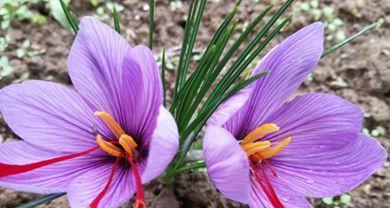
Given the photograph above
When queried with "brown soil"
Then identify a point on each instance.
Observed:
(359, 72)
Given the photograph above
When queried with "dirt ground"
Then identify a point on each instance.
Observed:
(359, 72)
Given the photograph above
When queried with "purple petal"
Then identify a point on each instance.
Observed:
(141, 92)
(288, 65)
(85, 188)
(227, 164)
(49, 179)
(95, 65)
(49, 115)
(163, 146)
(315, 122)
(331, 172)
(288, 197)
(228, 108)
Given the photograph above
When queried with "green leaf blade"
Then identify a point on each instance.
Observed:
(348, 40)
(151, 23)
(69, 17)
(116, 19)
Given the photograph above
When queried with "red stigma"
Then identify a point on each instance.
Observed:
(139, 199)
(7, 169)
(268, 188)
(96, 201)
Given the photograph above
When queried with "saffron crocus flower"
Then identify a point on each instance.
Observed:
(263, 150)
(100, 142)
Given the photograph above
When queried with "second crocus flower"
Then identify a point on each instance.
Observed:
(266, 151)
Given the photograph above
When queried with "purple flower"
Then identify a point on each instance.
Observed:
(100, 142)
(263, 150)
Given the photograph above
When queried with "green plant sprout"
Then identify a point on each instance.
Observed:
(6, 69)
(19, 9)
(332, 23)
(58, 13)
(104, 11)
(337, 202)
(21, 52)
(176, 5)
(376, 132)
(4, 41)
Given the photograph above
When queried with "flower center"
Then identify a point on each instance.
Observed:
(258, 152)
(124, 140)
(127, 151)
(254, 148)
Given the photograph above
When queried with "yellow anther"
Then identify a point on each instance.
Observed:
(260, 132)
(114, 127)
(249, 146)
(256, 149)
(128, 143)
(274, 150)
(108, 147)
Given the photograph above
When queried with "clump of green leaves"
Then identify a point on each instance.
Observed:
(22, 51)
(104, 11)
(58, 13)
(327, 14)
(176, 5)
(337, 202)
(19, 9)
(4, 41)
(375, 132)
(6, 69)
(95, 3)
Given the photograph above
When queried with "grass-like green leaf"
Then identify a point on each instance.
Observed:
(192, 40)
(163, 68)
(195, 88)
(200, 121)
(227, 79)
(151, 23)
(116, 19)
(72, 21)
(190, 33)
(216, 70)
(58, 13)
(188, 108)
(348, 40)
(192, 166)
(194, 76)
(40, 200)
(241, 64)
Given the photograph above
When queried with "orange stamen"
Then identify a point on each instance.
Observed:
(128, 143)
(252, 148)
(255, 144)
(115, 128)
(108, 147)
(260, 132)
(274, 150)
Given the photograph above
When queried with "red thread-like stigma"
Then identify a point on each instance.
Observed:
(96, 201)
(269, 190)
(139, 199)
(7, 169)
